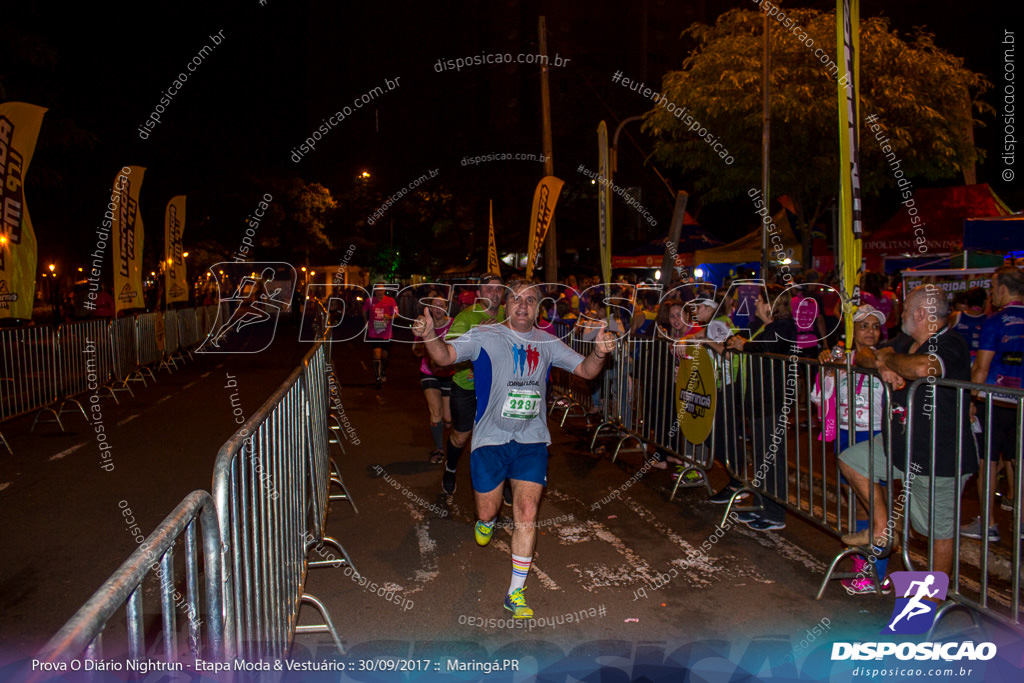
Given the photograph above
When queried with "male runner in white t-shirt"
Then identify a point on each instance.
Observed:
(510, 434)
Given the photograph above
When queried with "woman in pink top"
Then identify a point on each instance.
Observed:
(436, 381)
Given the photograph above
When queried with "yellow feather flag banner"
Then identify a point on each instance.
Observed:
(175, 285)
(19, 129)
(604, 203)
(492, 249)
(544, 199)
(128, 235)
(848, 41)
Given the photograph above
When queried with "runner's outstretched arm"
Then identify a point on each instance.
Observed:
(592, 364)
(441, 353)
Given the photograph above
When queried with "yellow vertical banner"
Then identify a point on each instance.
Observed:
(544, 199)
(848, 41)
(128, 235)
(175, 285)
(19, 130)
(604, 202)
(492, 248)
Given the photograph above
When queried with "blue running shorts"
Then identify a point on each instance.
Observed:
(492, 465)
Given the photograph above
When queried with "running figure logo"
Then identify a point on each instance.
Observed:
(523, 356)
(914, 611)
(262, 292)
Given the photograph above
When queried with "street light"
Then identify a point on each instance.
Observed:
(51, 267)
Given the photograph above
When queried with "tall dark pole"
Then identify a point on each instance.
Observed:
(550, 248)
(766, 127)
(672, 244)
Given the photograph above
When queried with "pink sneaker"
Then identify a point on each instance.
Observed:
(864, 585)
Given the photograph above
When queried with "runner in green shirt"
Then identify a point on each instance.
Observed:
(487, 310)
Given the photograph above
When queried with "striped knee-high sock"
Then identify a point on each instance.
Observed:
(520, 568)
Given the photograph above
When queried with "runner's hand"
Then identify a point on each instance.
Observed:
(424, 326)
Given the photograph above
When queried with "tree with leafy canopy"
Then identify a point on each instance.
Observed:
(924, 98)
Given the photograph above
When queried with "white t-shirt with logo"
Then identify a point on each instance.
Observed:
(510, 370)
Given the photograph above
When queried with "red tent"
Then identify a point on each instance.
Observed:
(942, 212)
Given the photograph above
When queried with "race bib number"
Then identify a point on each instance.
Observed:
(379, 326)
(521, 405)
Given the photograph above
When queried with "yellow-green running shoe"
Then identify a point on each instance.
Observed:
(516, 604)
(483, 533)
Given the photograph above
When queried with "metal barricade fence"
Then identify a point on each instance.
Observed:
(322, 470)
(82, 635)
(188, 328)
(616, 398)
(171, 325)
(147, 346)
(786, 452)
(985, 577)
(27, 375)
(26, 370)
(261, 487)
(82, 362)
(171, 352)
(639, 400)
(124, 354)
(569, 392)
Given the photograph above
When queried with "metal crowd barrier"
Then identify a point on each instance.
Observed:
(262, 482)
(44, 369)
(26, 370)
(770, 434)
(765, 429)
(570, 393)
(82, 635)
(172, 350)
(990, 584)
(125, 355)
(82, 361)
(147, 344)
(188, 329)
(639, 405)
(322, 468)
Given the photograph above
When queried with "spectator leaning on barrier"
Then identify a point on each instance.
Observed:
(926, 348)
(832, 391)
(1000, 362)
(766, 399)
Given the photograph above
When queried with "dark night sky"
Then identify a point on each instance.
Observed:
(284, 66)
